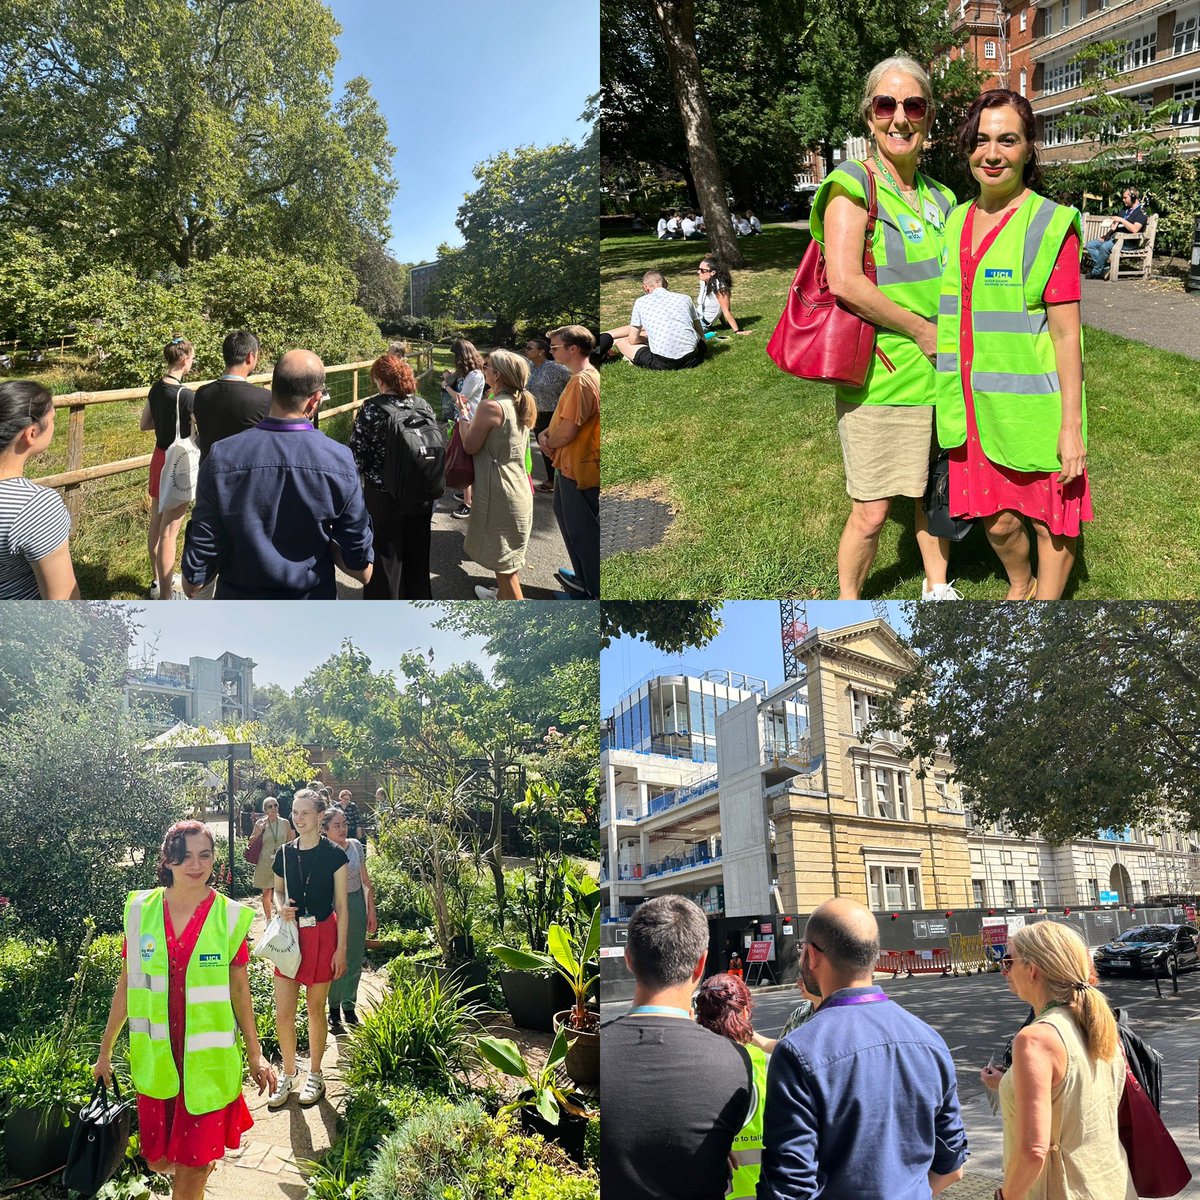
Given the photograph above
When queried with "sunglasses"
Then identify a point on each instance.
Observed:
(884, 107)
(1006, 963)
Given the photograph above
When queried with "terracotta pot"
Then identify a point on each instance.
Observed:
(583, 1058)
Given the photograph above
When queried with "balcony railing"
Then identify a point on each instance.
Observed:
(673, 864)
(1105, 23)
(682, 795)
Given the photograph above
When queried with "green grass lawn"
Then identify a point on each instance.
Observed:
(108, 541)
(748, 458)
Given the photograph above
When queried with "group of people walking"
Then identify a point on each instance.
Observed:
(857, 1097)
(185, 993)
(277, 507)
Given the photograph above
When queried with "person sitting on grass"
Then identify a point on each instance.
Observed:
(664, 333)
(716, 286)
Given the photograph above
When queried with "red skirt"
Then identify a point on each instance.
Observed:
(169, 1131)
(156, 465)
(318, 944)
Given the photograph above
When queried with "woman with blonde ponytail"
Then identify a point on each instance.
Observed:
(1059, 1100)
(497, 436)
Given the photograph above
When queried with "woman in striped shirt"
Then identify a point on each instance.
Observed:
(35, 559)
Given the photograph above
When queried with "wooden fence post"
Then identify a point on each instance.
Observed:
(74, 492)
(354, 386)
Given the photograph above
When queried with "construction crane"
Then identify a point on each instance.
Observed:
(879, 608)
(793, 624)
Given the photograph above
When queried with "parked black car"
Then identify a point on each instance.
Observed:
(1154, 949)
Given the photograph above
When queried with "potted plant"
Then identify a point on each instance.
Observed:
(572, 954)
(545, 1108)
(42, 1086)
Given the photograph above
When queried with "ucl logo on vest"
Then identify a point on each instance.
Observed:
(912, 228)
(147, 946)
(210, 960)
(998, 277)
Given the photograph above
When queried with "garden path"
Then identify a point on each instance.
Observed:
(269, 1164)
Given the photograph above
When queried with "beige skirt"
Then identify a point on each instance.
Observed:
(886, 448)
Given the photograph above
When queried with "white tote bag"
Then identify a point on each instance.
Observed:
(177, 484)
(280, 941)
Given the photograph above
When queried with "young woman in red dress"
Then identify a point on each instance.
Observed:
(175, 1141)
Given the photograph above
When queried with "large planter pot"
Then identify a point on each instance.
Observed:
(533, 999)
(469, 978)
(569, 1133)
(36, 1141)
(582, 1063)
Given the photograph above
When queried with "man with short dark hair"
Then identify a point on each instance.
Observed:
(279, 505)
(1131, 220)
(862, 1098)
(674, 1095)
(573, 440)
(230, 404)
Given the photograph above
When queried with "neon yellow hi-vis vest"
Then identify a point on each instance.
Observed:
(212, 1058)
(1014, 375)
(747, 1146)
(909, 254)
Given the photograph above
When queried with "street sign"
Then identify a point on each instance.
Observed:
(1109, 897)
(761, 952)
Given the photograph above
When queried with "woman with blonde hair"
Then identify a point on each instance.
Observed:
(1059, 1099)
(497, 436)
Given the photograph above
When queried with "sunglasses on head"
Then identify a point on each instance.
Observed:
(884, 107)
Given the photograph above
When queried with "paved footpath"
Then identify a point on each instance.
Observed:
(1158, 313)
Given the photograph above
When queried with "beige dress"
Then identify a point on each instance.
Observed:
(275, 834)
(501, 501)
(1087, 1160)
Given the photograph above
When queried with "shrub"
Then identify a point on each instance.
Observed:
(421, 1035)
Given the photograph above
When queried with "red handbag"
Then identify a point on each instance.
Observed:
(460, 466)
(817, 338)
(1155, 1164)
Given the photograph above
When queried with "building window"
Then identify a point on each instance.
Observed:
(989, 49)
(1139, 52)
(1145, 891)
(1006, 857)
(1048, 22)
(1010, 893)
(882, 792)
(1185, 35)
(894, 887)
(1024, 73)
(1066, 13)
(1024, 19)
(978, 893)
(1089, 857)
(1093, 886)
(866, 709)
(1035, 892)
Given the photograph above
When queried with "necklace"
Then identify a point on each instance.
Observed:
(908, 191)
(1053, 1004)
(173, 378)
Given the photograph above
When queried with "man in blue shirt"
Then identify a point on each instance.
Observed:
(280, 505)
(1132, 220)
(862, 1101)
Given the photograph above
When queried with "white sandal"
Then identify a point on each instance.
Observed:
(314, 1089)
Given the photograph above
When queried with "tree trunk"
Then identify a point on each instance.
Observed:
(677, 26)
(493, 852)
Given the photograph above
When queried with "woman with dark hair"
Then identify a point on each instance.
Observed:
(315, 871)
(185, 993)
(35, 559)
(498, 437)
(167, 404)
(712, 300)
(1010, 395)
(723, 1005)
(402, 533)
(546, 381)
(465, 383)
(360, 898)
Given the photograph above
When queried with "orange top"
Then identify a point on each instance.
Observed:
(579, 403)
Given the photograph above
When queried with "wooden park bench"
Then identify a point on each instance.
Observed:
(1132, 253)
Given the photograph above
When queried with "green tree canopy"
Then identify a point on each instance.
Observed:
(173, 131)
(668, 625)
(530, 239)
(1063, 719)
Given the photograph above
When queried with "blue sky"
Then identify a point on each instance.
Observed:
(749, 642)
(459, 81)
(287, 641)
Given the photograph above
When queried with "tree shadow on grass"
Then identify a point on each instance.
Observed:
(630, 256)
(97, 583)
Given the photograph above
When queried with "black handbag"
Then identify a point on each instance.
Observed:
(100, 1140)
(936, 503)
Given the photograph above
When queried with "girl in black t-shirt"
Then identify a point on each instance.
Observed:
(316, 872)
(166, 397)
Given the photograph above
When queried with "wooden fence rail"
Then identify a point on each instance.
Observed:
(71, 480)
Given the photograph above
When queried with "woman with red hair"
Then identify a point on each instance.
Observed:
(723, 1005)
(402, 531)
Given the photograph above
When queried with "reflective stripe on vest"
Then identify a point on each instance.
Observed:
(748, 1145)
(909, 249)
(212, 1068)
(1014, 371)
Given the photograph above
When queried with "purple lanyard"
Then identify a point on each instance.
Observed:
(840, 1001)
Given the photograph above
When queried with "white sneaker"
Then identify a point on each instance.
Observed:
(154, 590)
(485, 593)
(939, 591)
(314, 1089)
(283, 1089)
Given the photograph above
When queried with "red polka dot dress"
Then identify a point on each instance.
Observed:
(168, 1130)
(978, 486)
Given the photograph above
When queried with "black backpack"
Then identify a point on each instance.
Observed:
(1144, 1061)
(414, 452)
